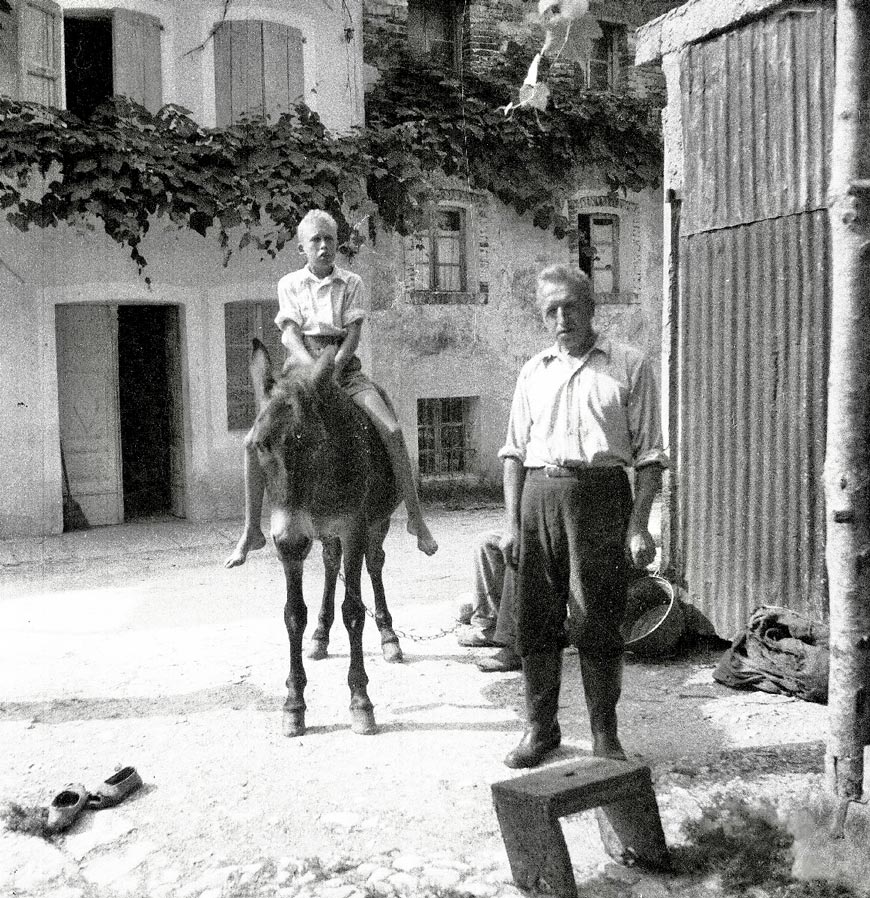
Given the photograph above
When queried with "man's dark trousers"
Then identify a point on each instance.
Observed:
(572, 555)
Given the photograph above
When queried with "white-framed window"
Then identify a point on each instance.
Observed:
(258, 69)
(435, 30)
(604, 56)
(113, 52)
(598, 235)
(441, 263)
(446, 435)
(242, 322)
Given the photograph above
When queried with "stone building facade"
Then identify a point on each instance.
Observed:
(449, 358)
(452, 315)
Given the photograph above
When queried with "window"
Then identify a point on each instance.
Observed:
(258, 69)
(446, 435)
(242, 322)
(441, 261)
(604, 56)
(87, 63)
(599, 250)
(434, 30)
(112, 56)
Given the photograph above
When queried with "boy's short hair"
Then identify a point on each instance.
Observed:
(314, 217)
(570, 276)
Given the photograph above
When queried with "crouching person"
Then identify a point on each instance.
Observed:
(583, 411)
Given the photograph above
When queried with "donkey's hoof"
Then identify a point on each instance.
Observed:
(294, 723)
(363, 721)
(392, 652)
(319, 649)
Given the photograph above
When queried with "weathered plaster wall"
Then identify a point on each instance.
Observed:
(42, 269)
(477, 349)
(45, 268)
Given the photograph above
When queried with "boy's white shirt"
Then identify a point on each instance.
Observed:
(320, 306)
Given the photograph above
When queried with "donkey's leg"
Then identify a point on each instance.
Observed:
(295, 619)
(353, 614)
(292, 545)
(319, 647)
(375, 558)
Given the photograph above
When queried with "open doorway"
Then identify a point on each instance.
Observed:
(149, 405)
(120, 411)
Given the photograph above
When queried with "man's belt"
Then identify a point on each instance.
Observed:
(573, 471)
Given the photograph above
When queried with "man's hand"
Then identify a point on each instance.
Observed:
(640, 546)
(510, 547)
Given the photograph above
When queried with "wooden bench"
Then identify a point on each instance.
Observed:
(528, 808)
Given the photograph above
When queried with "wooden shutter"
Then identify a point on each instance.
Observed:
(258, 69)
(39, 39)
(283, 68)
(242, 322)
(9, 55)
(136, 58)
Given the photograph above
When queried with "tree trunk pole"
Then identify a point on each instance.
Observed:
(847, 458)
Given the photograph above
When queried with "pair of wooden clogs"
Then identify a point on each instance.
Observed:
(66, 806)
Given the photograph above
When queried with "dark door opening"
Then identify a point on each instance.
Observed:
(146, 403)
(88, 68)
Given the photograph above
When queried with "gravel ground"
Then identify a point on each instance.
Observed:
(133, 646)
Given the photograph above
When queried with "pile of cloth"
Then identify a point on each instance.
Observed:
(780, 651)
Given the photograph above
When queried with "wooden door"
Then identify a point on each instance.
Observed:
(87, 377)
(176, 411)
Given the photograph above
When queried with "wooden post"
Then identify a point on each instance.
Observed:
(847, 459)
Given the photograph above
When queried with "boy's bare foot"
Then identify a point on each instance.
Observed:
(248, 542)
(425, 541)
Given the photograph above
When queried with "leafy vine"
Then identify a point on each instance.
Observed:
(251, 182)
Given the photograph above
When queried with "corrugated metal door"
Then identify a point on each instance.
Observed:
(748, 378)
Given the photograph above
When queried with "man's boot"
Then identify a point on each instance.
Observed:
(602, 683)
(542, 675)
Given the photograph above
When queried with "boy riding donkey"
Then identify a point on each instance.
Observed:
(321, 305)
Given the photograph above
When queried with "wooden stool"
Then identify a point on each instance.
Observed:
(529, 807)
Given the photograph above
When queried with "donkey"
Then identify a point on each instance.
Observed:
(328, 477)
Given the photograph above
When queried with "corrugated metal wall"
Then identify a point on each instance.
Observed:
(749, 377)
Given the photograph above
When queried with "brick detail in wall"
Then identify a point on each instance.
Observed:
(484, 33)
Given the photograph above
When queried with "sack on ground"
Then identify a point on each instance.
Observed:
(780, 651)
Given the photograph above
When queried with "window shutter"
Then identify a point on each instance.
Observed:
(259, 69)
(9, 55)
(242, 322)
(239, 328)
(283, 68)
(39, 30)
(238, 71)
(136, 58)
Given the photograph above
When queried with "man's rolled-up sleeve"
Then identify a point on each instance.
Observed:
(519, 424)
(644, 418)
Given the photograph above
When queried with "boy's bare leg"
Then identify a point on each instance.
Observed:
(391, 434)
(252, 536)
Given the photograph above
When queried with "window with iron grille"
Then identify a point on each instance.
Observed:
(604, 55)
(446, 435)
(242, 322)
(599, 250)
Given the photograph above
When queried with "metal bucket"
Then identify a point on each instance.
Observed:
(653, 617)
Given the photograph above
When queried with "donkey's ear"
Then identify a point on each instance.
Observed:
(261, 372)
(324, 365)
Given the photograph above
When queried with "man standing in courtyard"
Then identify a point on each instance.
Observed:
(584, 410)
